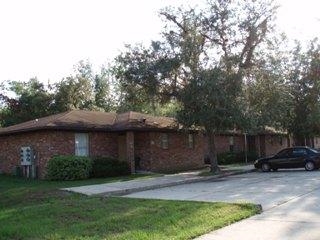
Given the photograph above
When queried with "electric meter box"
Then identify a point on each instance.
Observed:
(26, 156)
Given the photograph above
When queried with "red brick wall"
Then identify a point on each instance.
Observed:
(177, 157)
(239, 143)
(223, 143)
(142, 149)
(44, 143)
(49, 143)
(274, 143)
(316, 141)
(103, 144)
(147, 146)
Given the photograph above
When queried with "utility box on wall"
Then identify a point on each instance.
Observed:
(27, 161)
(26, 156)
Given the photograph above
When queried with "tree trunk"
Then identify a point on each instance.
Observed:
(212, 153)
(299, 140)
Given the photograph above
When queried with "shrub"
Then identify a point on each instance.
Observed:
(226, 158)
(69, 168)
(239, 157)
(17, 171)
(109, 167)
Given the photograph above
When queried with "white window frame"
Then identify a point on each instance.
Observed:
(81, 144)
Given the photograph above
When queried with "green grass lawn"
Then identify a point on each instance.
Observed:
(31, 209)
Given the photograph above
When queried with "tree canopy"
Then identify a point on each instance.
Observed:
(216, 46)
(32, 99)
(304, 82)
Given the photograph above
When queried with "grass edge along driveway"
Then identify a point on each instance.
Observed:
(38, 210)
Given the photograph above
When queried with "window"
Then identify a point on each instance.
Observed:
(164, 141)
(284, 153)
(231, 144)
(81, 142)
(298, 152)
(190, 140)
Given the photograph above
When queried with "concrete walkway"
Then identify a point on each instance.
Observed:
(137, 185)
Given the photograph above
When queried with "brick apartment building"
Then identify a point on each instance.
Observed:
(147, 142)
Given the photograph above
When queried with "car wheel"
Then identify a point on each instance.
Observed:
(309, 166)
(274, 169)
(265, 167)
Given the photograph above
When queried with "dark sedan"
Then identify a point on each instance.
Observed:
(294, 157)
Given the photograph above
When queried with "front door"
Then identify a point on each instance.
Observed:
(251, 144)
(262, 145)
(122, 147)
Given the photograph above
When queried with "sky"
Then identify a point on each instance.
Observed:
(46, 38)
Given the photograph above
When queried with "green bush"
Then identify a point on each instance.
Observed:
(232, 157)
(69, 168)
(109, 167)
(226, 158)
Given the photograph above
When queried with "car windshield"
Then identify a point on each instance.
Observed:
(314, 150)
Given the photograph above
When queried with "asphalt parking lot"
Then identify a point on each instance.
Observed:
(290, 200)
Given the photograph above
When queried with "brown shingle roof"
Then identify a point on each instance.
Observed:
(96, 121)
(136, 120)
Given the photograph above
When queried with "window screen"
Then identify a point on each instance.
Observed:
(231, 143)
(190, 140)
(81, 144)
(164, 141)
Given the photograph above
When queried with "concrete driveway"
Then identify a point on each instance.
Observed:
(290, 201)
